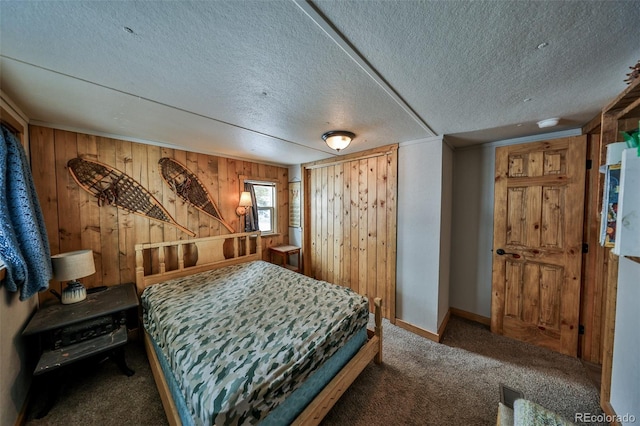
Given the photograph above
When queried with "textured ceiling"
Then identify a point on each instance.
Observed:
(264, 79)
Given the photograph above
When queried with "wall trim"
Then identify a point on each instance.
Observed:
(14, 109)
(471, 316)
(609, 411)
(360, 155)
(443, 324)
(14, 117)
(436, 337)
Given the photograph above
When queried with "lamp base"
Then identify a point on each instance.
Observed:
(73, 293)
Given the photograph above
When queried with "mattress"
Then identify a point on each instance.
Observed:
(241, 339)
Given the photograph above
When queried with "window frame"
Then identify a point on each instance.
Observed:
(266, 182)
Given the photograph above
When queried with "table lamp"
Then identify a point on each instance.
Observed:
(71, 266)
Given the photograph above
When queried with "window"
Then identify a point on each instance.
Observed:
(264, 214)
(266, 203)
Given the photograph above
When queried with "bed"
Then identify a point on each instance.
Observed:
(232, 339)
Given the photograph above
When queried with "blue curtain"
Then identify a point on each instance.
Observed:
(24, 246)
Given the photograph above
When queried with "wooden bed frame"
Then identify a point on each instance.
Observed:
(157, 262)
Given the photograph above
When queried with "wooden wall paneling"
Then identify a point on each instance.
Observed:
(90, 213)
(235, 169)
(262, 170)
(609, 134)
(321, 248)
(313, 211)
(362, 226)
(170, 200)
(194, 221)
(282, 199)
(109, 222)
(389, 303)
(338, 224)
(140, 172)
(315, 197)
(372, 213)
(346, 226)
(318, 213)
(308, 221)
(305, 219)
(381, 226)
(126, 230)
(330, 234)
(68, 192)
(181, 208)
(155, 187)
(255, 170)
(75, 221)
(321, 227)
(354, 202)
(42, 164)
(230, 187)
(283, 204)
(208, 175)
(350, 235)
(591, 292)
(311, 230)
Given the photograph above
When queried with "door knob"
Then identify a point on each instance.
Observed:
(501, 252)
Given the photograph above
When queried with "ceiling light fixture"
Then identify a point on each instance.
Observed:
(338, 139)
(549, 122)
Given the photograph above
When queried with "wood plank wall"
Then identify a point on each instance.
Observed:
(592, 296)
(350, 223)
(74, 220)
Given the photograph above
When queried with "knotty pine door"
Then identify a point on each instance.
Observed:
(537, 251)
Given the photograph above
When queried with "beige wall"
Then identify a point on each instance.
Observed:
(424, 177)
(15, 373)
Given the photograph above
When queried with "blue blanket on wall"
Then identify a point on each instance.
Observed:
(24, 246)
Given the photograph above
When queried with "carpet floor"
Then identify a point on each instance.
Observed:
(420, 382)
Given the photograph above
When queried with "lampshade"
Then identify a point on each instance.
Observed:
(338, 139)
(73, 265)
(244, 204)
(245, 199)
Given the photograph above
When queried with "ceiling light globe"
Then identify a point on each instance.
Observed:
(338, 139)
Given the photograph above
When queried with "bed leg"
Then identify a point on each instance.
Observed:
(378, 328)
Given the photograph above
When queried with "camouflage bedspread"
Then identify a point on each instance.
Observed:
(241, 338)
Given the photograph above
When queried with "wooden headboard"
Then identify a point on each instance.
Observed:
(157, 262)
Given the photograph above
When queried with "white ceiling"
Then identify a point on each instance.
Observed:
(262, 80)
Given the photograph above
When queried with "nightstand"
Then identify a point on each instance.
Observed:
(283, 253)
(70, 333)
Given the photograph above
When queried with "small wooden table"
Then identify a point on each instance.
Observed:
(70, 333)
(283, 252)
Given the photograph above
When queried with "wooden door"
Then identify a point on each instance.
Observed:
(537, 242)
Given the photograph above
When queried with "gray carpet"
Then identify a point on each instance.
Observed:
(420, 383)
